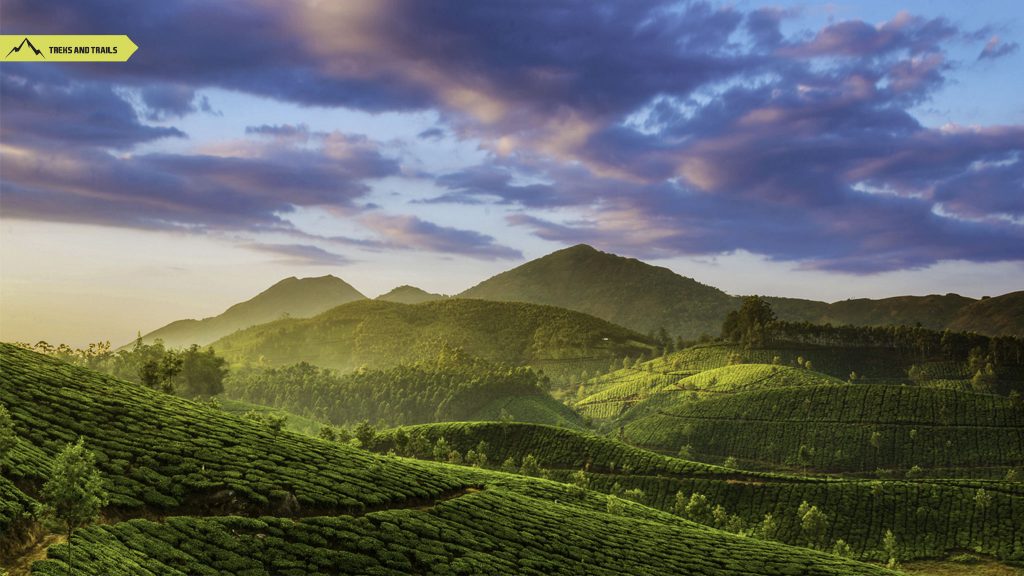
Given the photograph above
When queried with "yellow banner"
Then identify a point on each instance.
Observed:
(66, 48)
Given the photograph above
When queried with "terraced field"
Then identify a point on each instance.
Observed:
(623, 389)
(845, 428)
(252, 501)
(929, 517)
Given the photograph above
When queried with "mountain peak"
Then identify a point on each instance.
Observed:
(406, 294)
(291, 296)
(623, 290)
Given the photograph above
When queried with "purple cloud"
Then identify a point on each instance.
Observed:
(663, 128)
(413, 233)
(995, 48)
(302, 254)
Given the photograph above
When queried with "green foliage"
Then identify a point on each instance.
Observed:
(381, 335)
(890, 550)
(838, 428)
(453, 386)
(8, 439)
(749, 324)
(813, 523)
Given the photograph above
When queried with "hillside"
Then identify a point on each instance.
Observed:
(452, 386)
(997, 316)
(854, 428)
(860, 510)
(379, 334)
(197, 491)
(294, 297)
(625, 291)
(616, 392)
(647, 298)
(410, 295)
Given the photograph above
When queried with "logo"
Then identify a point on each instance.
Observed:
(22, 45)
(66, 48)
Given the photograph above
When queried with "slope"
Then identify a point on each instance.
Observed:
(410, 295)
(252, 502)
(452, 386)
(839, 428)
(997, 316)
(295, 297)
(381, 334)
(621, 290)
(929, 517)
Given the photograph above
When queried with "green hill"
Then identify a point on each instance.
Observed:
(410, 295)
(381, 334)
(839, 428)
(295, 297)
(930, 517)
(197, 491)
(625, 291)
(452, 386)
(624, 388)
(997, 316)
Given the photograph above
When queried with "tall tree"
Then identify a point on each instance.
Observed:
(74, 493)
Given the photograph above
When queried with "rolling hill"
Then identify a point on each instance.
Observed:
(851, 428)
(196, 491)
(410, 295)
(294, 297)
(997, 316)
(379, 334)
(861, 510)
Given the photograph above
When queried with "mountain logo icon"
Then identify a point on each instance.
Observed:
(18, 48)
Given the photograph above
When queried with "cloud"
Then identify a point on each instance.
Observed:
(46, 108)
(995, 48)
(168, 101)
(412, 233)
(302, 254)
(653, 127)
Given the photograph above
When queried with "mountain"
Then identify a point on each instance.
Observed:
(646, 298)
(622, 290)
(294, 297)
(998, 316)
(378, 334)
(410, 295)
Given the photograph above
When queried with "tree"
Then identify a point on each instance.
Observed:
(579, 485)
(635, 494)
(201, 373)
(769, 528)
(698, 508)
(889, 547)
(8, 440)
(441, 449)
(982, 498)
(509, 465)
(74, 493)
(842, 549)
(615, 505)
(365, 432)
(530, 466)
(750, 323)
(813, 523)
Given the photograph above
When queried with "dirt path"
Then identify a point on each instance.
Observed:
(37, 551)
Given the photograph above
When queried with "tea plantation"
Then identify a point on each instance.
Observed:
(840, 428)
(194, 490)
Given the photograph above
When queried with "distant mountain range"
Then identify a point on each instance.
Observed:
(646, 298)
(624, 291)
(294, 297)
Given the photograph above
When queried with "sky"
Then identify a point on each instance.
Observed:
(806, 149)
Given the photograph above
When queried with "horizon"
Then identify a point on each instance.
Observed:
(798, 149)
